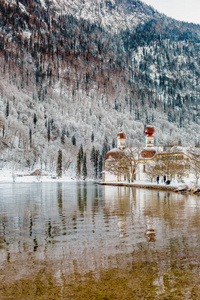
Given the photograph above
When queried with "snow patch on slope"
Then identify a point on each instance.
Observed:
(115, 15)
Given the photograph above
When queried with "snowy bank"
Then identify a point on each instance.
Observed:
(143, 184)
(7, 175)
(173, 186)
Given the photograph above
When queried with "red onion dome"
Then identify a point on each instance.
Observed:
(121, 135)
(149, 130)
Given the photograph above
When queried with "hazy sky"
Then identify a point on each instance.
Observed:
(183, 10)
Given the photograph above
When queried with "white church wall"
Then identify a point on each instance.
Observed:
(110, 177)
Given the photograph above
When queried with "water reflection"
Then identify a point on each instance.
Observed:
(87, 227)
(151, 231)
(82, 197)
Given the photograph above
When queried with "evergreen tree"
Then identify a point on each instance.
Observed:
(96, 163)
(73, 140)
(78, 165)
(81, 153)
(30, 137)
(113, 143)
(34, 119)
(48, 131)
(92, 155)
(7, 109)
(62, 138)
(92, 137)
(59, 164)
(105, 149)
(100, 166)
(84, 169)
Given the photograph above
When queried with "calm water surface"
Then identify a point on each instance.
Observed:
(53, 234)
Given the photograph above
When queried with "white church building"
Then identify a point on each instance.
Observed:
(143, 161)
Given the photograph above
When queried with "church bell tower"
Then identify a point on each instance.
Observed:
(121, 140)
(149, 131)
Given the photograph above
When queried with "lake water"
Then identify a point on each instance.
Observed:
(85, 241)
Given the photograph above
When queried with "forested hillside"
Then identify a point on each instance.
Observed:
(67, 82)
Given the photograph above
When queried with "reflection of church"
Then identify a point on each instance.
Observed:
(144, 159)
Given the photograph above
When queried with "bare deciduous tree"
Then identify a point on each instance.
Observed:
(124, 162)
(171, 162)
(194, 154)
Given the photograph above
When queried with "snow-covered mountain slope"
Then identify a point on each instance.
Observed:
(111, 14)
(68, 78)
(114, 14)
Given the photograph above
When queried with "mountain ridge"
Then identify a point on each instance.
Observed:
(111, 14)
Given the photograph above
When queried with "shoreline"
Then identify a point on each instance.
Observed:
(143, 185)
(176, 188)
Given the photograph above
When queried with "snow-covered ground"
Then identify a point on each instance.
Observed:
(7, 175)
(173, 184)
(146, 183)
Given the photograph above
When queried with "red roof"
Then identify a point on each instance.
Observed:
(114, 153)
(148, 153)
